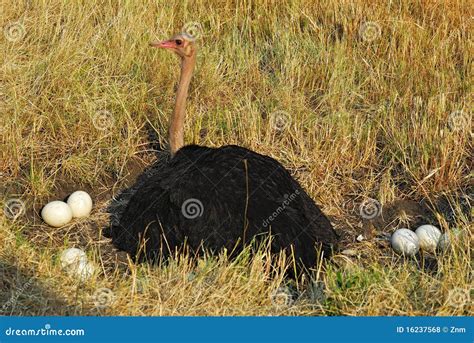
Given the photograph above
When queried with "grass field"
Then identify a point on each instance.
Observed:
(366, 103)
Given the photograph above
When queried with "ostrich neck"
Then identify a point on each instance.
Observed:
(177, 120)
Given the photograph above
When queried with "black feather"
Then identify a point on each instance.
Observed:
(237, 195)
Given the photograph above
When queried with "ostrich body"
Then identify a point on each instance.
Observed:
(215, 198)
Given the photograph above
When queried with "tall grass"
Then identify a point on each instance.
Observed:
(371, 99)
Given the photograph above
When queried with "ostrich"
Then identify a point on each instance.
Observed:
(208, 199)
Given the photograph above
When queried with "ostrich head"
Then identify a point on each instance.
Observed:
(181, 44)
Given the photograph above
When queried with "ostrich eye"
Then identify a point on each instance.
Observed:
(178, 42)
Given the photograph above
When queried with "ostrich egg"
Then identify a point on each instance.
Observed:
(80, 203)
(428, 236)
(405, 242)
(56, 213)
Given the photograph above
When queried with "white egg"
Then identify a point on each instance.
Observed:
(74, 262)
(56, 213)
(84, 271)
(72, 257)
(80, 203)
(444, 242)
(429, 236)
(405, 242)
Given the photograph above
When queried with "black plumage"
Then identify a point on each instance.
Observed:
(218, 198)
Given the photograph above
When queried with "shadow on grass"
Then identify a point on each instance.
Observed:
(22, 293)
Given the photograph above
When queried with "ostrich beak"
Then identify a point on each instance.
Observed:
(167, 44)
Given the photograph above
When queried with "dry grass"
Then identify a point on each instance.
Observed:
(388, 118)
